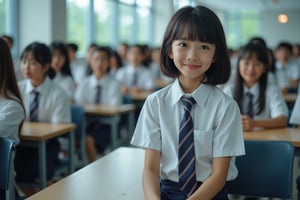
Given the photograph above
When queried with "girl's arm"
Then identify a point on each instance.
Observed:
(277, 122)
(215, 182)
(151, 175)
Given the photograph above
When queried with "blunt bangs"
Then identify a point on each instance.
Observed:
(255, 50)
(194, 26)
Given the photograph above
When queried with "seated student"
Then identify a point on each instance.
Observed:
(135, 77)
(11, 105)
(77, 68)
(295, 116)
(98, 88)
(44, 102)
(261, 103)
(60, 70)
(287, 70)
(161, 80)
(115, 63)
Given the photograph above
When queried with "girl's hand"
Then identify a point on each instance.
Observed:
(247, 123)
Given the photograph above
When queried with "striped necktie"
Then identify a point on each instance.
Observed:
(135, 77)
(98, 95)
(34, 106)
(250, 109)
(186, 153)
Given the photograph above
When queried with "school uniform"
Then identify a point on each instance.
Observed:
(145, 79)
(66, 83)
(217, 129)
(53, 107)
(78, 71)
(295, 116)
(11, 116)
(274, 106)
(285, 73)
(110, 95)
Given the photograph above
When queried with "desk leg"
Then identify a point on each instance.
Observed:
(71, 151)
(42, 164)
(131, 122)
(114, 132)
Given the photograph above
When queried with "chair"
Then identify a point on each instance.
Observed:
(265, 171)
(6, 169)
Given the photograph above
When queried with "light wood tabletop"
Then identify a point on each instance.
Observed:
(140, 96)
(118, 175)
(96, 109)
(284, 134)
(39, 131)
(290, 98)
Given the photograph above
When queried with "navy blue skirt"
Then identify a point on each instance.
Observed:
(169, 190)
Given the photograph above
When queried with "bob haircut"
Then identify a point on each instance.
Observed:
(249, 51)
(197, 24)
(40, 52)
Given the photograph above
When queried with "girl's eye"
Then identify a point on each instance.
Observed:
(204, 47)
(182, 44)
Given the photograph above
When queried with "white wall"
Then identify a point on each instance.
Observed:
(274, 32)
(41, 20)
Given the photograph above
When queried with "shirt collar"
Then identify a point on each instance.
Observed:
(200, 95)
(43, 87)
(253, 90)
(95, 82)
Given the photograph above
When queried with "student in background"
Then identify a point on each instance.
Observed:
(12, 110)
(88, 70)
(98, 88)
(44, 102)
(122, 51)
(261, 103)
(135, 77)
(161, 80)
(295, 116)
(287, 71)
(60, 70)
(194, 52)
(11, 105)
(77, 68)
(115, 63)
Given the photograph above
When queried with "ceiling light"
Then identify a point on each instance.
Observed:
(283, 18)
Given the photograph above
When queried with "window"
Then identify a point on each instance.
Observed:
(126, 21)
(77, 20)
(3, 16)
(240, 27)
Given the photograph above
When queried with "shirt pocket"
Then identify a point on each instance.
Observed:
(203, 143)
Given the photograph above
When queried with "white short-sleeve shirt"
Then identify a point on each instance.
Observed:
(295, 117)
(11, 116)
(66, 83)
(145, 78)
(110, 91)
(217, 128)
(53, 104)
(274, 105)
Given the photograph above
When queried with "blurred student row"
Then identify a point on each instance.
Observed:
(52, 82)
(48, 89)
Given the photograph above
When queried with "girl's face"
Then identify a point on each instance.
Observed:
(58, 60)
(135, 56)
(32, 69)
(251, 69)
(99, 63)
(192, 58)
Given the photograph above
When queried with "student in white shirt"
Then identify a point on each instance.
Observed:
(295, 116)
(268, 108)
(135, 77)
(60, 70)
(194, 52)
(53, 106)
(98, 88)
(287, 70)
(12, 111)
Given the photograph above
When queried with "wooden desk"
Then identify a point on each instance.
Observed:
(140, 96)
(111, 115)
(284, 134)
(37, 134)
(118, 175)
(290, 98)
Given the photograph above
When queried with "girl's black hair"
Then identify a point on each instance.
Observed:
(197, 24)
(118, 58)
(40, 52)
(260, 51)
(62, 48)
